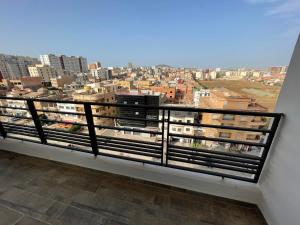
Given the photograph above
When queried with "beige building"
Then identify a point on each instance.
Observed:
(60, 82)
(222, 98)
(44, 71)
(33, 83)
(104, 96)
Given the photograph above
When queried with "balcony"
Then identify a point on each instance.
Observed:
(39, 192)
(36, 189)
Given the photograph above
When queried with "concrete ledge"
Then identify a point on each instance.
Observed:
(232, 189)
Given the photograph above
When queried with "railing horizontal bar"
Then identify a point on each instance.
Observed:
(20, 117)
(212, 165)
(65, 132)
(23, 133)
(129, 129)
(61, 112)
(218, 139)
(174, 108)
(71, 148)
(214, 156)
(66, 122)
(10, 107)
(129, 158)
(212, 173)
(19, 128)
(68, 141)
(211, 159)
(125, 146)
(230, 154)
(24, 139)
(67, 138)
(128, 151)
(19, 125)
(130, 143)
(129, 140)
(223, 127)
(127, 118)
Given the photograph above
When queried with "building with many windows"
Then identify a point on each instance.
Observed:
(222, 98)
(44, 71)
(14, 67)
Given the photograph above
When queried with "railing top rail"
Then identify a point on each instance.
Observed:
(174, 108)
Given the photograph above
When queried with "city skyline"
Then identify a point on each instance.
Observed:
(202, 34)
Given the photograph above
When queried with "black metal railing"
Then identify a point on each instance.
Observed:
(220, 148)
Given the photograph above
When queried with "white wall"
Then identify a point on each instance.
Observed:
(280, 181)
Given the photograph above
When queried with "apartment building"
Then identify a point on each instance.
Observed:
(93, 66)
(44, 71)
(169, 92)
(60, 82)
(137, 98)
(101, 73)
(51, 60)
(127, 84)
(101, 94)
(63, 62)
(222, 98)
(181, 117)
(14, 67)
(33, 83)
(198, 94)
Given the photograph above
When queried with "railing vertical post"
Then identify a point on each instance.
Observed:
(36, 120)
(2, 130)
(162, 137)
(271, 135)
(91, 127)
(168, 137)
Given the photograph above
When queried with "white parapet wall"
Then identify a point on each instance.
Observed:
(227, 188)
(280, 180)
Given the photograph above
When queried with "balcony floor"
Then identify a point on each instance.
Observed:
(36, 191)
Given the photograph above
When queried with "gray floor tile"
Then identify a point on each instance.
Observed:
(8, 216)
(30, 221)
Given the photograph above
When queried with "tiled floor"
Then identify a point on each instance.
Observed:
(37, 192)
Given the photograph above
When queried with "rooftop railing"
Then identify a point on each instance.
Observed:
(237, 151)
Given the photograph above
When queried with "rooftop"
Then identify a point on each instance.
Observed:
(37, 191)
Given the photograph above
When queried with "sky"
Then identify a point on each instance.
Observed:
(183, 33)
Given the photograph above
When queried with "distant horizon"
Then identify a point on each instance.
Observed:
(159, 64)
(189, 34)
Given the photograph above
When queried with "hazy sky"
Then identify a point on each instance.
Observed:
(191, 33)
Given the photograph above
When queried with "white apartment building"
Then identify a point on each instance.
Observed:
(51, 60)
(101, 73)
(199, 94)
(44, 71)
(68, 107)
(184, 117)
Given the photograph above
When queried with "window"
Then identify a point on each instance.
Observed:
(188, 121)
(179, 129)
(224, 135)
(180, 121)
(173, 129)
(137, 113)
(188, 129)
(228, 117)
(243, 118)
(67, 107)
(125, 102)
(136, 103)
